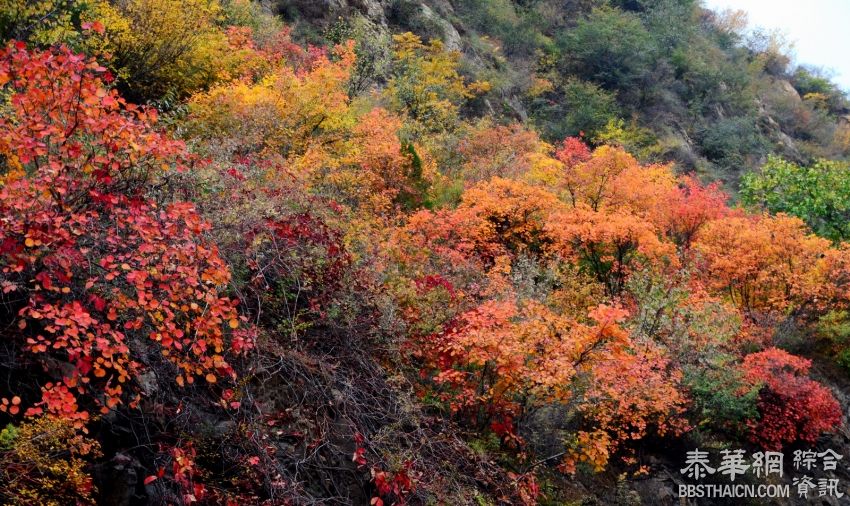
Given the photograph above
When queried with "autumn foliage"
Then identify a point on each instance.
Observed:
(94, 268)
(284, 271)
(792, 406)
(511, 335)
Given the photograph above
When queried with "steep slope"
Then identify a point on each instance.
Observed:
(330, 262)
(670, 80)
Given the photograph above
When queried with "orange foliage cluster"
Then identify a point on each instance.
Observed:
(497, 151)
(764, 262)
(100, 268)
(497, 348)
(524, 296)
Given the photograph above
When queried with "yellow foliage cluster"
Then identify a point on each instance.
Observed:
(157, 48)
(43, 462)
(427, 85)
(287, 114)
(167, 46)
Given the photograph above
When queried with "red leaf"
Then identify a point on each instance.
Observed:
(98, 302)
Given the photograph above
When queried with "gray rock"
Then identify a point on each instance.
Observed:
(148, 382)
(117, 480)
(666, 496)
(451, 37)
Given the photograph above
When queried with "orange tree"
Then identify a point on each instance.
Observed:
(513, 332)
(495, 294)
(764, 263)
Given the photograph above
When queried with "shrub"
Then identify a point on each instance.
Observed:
(633, 138)
(516, 26)
(80, 25)
(576, 108)
(792, 406)
(723, 400)
(732, 143)
(426, 84)
(168, 47)
(373, 49)
(297, 266)
(44, 462)
(610, 47)
(808, 81)
(94, 271)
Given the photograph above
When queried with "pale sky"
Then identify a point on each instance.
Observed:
(820, 29)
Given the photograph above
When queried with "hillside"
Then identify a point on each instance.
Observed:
(668, 79)
(417, 252)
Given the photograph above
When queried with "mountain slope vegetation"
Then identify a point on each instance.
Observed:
(479, 252)
(668, 79)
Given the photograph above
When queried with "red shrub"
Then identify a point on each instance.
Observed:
(95, 272)
(572, 152)
(792, 406)
(297, 263)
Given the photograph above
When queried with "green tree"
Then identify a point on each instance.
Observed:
(574, 108)
(611, 47)
(819, 194)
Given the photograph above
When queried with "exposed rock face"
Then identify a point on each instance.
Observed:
(118, 479)
(658, 491)
(372, 9)
(314, 9)
(428, 18)
(783, 92)
(450, 35)
(788, 90)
